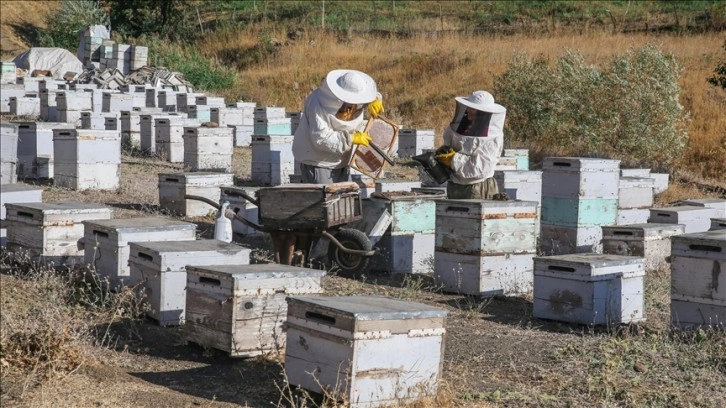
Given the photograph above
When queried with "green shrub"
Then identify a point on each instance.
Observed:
(628, 110)
(719, 74)
(64, 25)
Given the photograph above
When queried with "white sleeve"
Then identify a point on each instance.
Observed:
(323, 137)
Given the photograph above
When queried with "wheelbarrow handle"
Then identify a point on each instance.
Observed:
(229, 213)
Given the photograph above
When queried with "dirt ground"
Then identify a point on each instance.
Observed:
(490, 344)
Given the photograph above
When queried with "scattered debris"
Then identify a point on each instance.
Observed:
(158, 77)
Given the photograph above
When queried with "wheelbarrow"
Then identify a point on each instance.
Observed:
(297, 215)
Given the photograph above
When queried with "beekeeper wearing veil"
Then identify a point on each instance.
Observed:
(473, 143)
(332, 122)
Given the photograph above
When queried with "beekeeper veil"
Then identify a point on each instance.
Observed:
(477, 115)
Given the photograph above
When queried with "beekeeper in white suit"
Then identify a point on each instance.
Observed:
(332, 122)
(473, 143)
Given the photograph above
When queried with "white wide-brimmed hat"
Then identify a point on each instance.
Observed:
(481, 101)
(351, 86)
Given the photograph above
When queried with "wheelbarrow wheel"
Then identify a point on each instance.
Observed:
(351, 265)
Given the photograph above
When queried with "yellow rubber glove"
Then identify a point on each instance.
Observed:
(361, 138)
(445, 158)
(375, 108)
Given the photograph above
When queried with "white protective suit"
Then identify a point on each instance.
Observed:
(476, 156)
(321, 139)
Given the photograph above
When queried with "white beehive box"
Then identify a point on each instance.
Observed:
(6, 92)
(560, 240)
(241, 207)
(719, 204)
(274, 126)
(630, 216)
(16, 193)
(35, 139)
(131, 126)
(412, 142)
(74, 101)
(269, 112)
(506, 164)
(383, 186)
(93, 120)
(272, 159)
(695, 219)
(160, 267)
(185, 100)
(486, 227)
(642, 173)
(147, 129)
(106, 242)
(661, 182)
(51, 231)
(166, 99)
(336, 344)
(26, 105)
(717, 224)
(208, 149)
(170, 137)
(635, 192)
(521, 155)
(508, 274)
(405, 253)
(649, 241)
(211, 101)
(578, 177)
(48, 106)
(199, 112)
(522, 185)
(251, 321)
(698, 286)
(173, 187)
(116, 102)
(8, 153)
(589, 288)
(86, 159)
(231, 116)
(242, 134)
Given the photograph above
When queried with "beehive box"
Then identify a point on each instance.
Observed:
(485, 227)
(35, 139)
(208, 149)
(116, 102)
(147, 129)
(368, 351)
(93, 120)
(272, 159)
(131, 126)
(216, 101)
(199, 112)
(578, 177)
(649, 241)
(166, 99)
(404, 253)
(74, 101)
(242, 134)
(412, 142)
(26, 105)
(485, 276)
(506, 164)
(174, 186)
(695, 219)
(642, 173)
(269, 112)
(48, 106)
(86, 159)
(698, 286)
(384, 186)
(170, 137)
(719, 204)
(521, 155)
(16, 193)
(185, 100)
(308, 206)
(560, 240)
(276, 126)
(160, 268)
(660, 182)
(7, 91)
(8, 153)
(241, 207)
(50, 231)
(589, 288)
(231, 116)
(630, 216)
(522, 185)
(579, 212)
(106, 242)
(635, 192)
(251, 321)
(717, 224)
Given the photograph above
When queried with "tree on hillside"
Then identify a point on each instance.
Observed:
(65, 23)
(168, 18)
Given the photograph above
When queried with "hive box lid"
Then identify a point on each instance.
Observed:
(708, 245)
(646, 230)
(60, 207)
(580, 164)
(366, 307)
(189, 246)
(482, 209)
(256, 271)
(140, 224)
(589, 266)
(18, 187)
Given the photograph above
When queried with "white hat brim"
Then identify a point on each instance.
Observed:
(365, 96)
(491, 108)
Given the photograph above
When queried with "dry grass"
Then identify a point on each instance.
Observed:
(419, 76)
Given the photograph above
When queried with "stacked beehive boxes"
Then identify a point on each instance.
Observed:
(407, 246)
(86, 159)
(50, 232)
(131, 126)
(147, 129)
(251, 322)
(579, 196)
(412, 142)
(166, 99)
(35, 148)
(106, 242)
(26, 105)
(90, 42)
(70, 104)
(719, 204)
(240, 117)
(48, 105)
(116, 101)
(522, 185)
(7, 73)
(694, 218)
(698, 284)
(334, 344)
(589, 288)
(635, 197)
(173, 188)
(160, 267)
(169, 138)
(9, 153)
(208, 148)
(272, 159)
(16, 193)
(485, 247)
(521, 157)
(650, 241)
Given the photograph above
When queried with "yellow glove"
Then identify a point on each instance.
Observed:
(445, 158)
(361, 138)
(375, 108)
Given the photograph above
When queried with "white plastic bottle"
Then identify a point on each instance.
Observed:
(223, 225)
